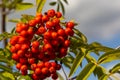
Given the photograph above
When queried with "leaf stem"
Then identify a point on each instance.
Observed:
(64, 72)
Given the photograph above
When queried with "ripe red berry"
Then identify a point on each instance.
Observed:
(14, 40)
(30, 31)
(23, 33)
(32, 23)
(51, 13)
(67, 43)
(54, 76)
(23, 60)
(69, 32)
(21, 40)
(37, 71)
(15, 57)
(24, 26)
(41, 30)
(53, 64)
(58, 67)
(13, 49)
(20, 53)
(24, 47)
(24, 72)
(47, 47)
(35, 76)
(35, 44)
(47, 64)
(33, 66)
(18, 66)
(18, 46)
(45, 18)
(49, 24)
(38, 19)
(54, 35)
(31, 60)
(47, 35)
(52, 70)
(58, 14)
(45, 70)
(24, 68)
(61, 32)
(70, 25)
(56, 21)
(40, 65)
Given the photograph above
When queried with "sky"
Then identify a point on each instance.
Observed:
(99, 20)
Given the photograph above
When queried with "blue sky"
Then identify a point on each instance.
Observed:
(99, 20)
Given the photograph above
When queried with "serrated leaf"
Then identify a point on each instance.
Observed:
(13, 30)
(14, 20)
(8, 75)
(81, 35)
(99, 71)
(60, 76)
(5, 68)
(52, 3)
(104, 77)
(5, 60)
(62, 7)
(65, 1)
(58, 7)
(2, 77)
(40, 5)
(23, 6)
(85, 73)
(77, 61)
(89, 58)
(115, 69)
(25, 18)
(24, 78)
(109, 56)
(95, 46)
(37, 2)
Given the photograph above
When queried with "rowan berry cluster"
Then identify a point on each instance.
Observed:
(39, 41)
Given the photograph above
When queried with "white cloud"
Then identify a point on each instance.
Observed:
(97, 18)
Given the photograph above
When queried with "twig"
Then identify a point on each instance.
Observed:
(64, 72)
(73, 78)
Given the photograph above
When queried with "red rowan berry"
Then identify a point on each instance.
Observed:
(51, 13)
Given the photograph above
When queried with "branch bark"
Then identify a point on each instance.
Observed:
(3, 23)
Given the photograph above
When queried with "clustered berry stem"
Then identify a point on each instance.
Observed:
(39, 42)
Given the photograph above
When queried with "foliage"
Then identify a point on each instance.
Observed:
(79, 49)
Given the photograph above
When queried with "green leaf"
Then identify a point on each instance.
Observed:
(5, 68)
(8, 75)
(14, 20)
(77, 61)
(5, 60)
(89, 58)
(40, 5)
(104, 77)
(85, 73)
(52, 3)
(99, 71)
(96, 47)
(60, 76)
(81, 35)
(2, 77)
(62, 7)
(24, 78)
(109, 56)
(115, 69)
(58, 7)
(23, 6)
(65, 1)
(25, 18)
